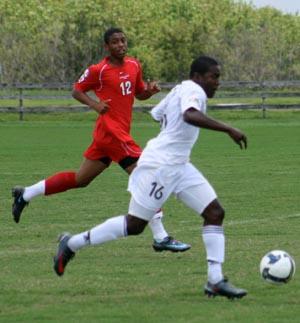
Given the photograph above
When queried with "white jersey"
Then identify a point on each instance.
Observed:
(174, 143)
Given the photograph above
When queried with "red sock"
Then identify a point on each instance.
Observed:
(60, 182)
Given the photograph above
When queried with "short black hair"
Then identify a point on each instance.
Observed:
(202, 65)
(110, 32)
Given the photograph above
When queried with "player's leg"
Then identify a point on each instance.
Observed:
(202, 198)
(112, 229)
(214, 240)
(63, 181)
(94, 163)
(156, 226)
(89, 170)
(57, 183)
(162, 241)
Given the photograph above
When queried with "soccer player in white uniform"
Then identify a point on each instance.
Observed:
(164, 168)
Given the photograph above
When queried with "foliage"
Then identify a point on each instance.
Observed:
(53, 40)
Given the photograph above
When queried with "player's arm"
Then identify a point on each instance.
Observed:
(150, 89)
(99, 106)
(199, 119)
(89, 81)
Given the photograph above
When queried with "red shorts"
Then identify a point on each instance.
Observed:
(113, 149)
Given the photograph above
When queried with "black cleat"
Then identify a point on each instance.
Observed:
(19, 203)
(170, 244)
(224, 288)
(64, 254)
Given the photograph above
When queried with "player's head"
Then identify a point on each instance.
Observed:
(205, 71)
(115, 42)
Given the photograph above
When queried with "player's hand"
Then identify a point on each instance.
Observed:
(102, 106)
(238, 137)
(152, 87)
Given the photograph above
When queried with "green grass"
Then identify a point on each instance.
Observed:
(125, 281)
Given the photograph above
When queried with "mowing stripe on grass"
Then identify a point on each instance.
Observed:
(282, 218)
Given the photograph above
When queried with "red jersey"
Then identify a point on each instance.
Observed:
(119, 84)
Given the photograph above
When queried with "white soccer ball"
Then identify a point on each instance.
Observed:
(277, 267)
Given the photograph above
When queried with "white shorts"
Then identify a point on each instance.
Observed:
(151, 187)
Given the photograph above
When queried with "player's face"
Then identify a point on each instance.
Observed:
(117, 45)
(210, 80)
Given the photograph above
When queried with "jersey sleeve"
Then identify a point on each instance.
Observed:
(89, 80)
(158, 111)
(140, 84)
(193, 99)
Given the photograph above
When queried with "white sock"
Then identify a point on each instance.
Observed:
(214, 241)
(109, 230)
(157, 228)
(34, 190)
(77, 241)
(214, 272)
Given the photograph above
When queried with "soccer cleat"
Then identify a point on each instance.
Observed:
(224, 288)
(19, 203)
(64, 254)
(170, 244)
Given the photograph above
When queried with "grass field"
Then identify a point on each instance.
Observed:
(125, 281)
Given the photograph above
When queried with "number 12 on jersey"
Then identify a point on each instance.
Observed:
(126, 87)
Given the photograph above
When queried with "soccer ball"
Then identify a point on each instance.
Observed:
(277, 267)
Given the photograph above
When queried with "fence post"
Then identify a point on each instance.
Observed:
(21, 107)
(263, 107)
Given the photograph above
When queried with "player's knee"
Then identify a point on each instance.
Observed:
(82, 182)
(134, 230)
(135, 225)
(218, 215)
(214, 214)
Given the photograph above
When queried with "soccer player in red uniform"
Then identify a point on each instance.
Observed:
(116, 81)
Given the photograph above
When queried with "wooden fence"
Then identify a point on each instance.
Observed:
(228, 89)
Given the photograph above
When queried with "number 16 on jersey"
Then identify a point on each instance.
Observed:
(156, 191)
